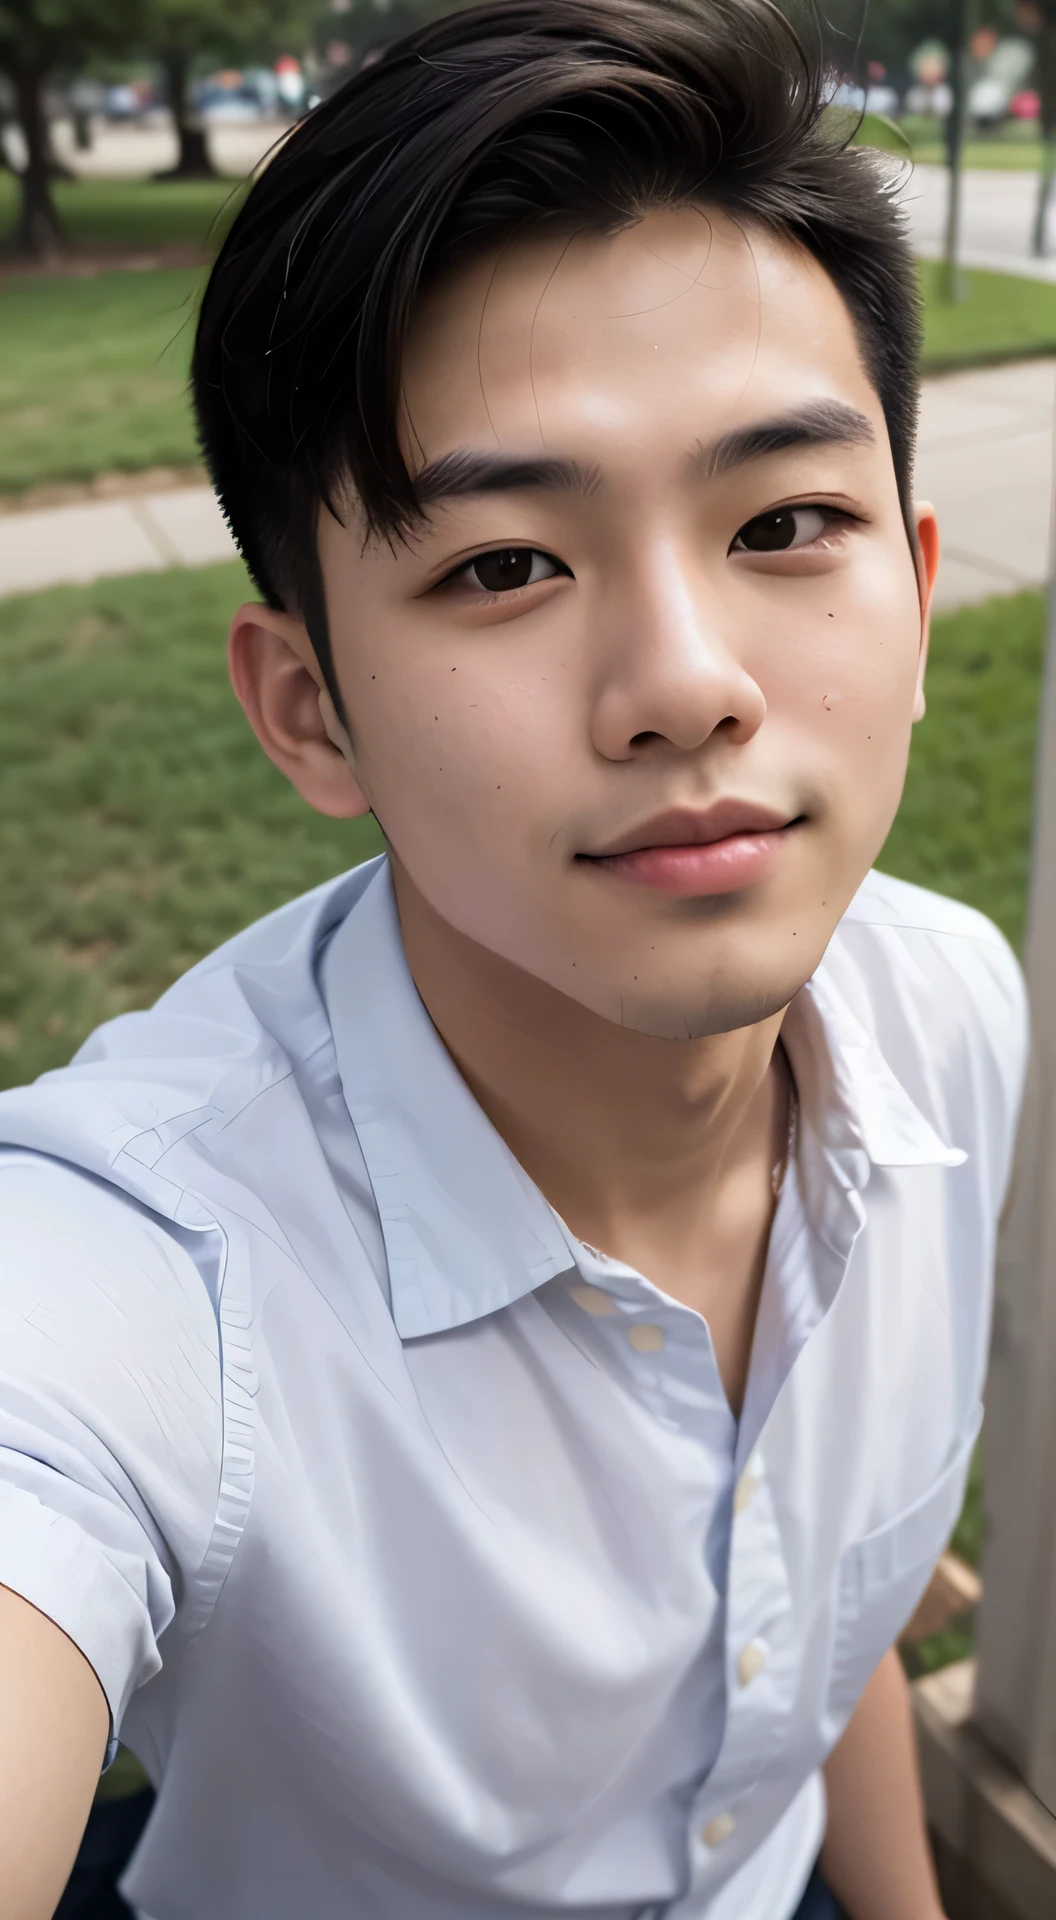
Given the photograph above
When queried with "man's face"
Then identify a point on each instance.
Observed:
(636, 717)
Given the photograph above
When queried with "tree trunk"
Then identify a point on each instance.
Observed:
(38, 231)
(193, 161)
(1046, 81)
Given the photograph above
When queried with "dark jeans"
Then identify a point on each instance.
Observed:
(818, 1903)
(114, 1826)
(110, 1837)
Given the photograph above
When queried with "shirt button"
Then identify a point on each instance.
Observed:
(645, 1338)
(593, 1300)
(747, 1487)
(751, 1662)
(718, 1830)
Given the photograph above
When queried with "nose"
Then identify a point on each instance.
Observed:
(669, 669)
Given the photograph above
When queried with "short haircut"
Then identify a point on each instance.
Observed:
(492, 121)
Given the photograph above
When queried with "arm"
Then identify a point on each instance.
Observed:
(53, 1733)
(876, 1857)
(111, 1426)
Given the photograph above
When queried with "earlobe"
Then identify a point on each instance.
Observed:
(927, 563)
(277, 679)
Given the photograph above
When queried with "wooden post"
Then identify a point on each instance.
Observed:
(1015, 1697)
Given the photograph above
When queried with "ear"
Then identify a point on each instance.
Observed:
(927, 558)
(280, 686)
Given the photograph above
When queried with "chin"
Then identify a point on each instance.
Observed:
(721, 1006)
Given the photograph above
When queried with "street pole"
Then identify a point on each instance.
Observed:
(954, 287)
(1046, 82)
(1015, 1697)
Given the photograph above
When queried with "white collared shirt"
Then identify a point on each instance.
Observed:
(414, 1544)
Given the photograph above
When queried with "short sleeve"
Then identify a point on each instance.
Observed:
(111, 1422)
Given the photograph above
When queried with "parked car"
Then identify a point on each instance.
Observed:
(124, 103)
(875, 99)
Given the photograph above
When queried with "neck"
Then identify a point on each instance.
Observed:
(643, 1145)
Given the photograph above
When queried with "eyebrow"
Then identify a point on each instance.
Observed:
(463, 472)
(454, 475)
(822, 423)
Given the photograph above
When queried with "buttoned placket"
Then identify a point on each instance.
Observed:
(665, 1352)
(853, 1114)
(761, 1659)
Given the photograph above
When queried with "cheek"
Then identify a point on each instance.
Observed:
(845, 680)
(462, 766)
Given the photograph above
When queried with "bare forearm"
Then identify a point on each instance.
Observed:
(876, 1857)
(52, 1737)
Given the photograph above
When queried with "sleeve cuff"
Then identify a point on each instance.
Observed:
(97, 1595)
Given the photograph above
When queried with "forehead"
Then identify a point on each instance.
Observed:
(684, 323)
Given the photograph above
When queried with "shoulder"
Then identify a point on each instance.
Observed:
(105, 1307)
(943, 993)
(111, 1416)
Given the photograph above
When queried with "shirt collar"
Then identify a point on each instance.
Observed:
(852, 1096)
(466, 1231)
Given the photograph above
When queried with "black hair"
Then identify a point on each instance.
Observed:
(491, 120)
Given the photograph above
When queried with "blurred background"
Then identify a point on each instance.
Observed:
(139, 823)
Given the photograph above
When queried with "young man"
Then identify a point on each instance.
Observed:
(491, 1359)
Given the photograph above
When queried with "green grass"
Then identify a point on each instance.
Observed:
(137, 215)
(93, 375)
(964, 824)
(1000, 155)
(93, 371)
(140, 824)
(1003, 317)
(1015, 145)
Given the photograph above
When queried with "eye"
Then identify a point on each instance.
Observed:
(783, 529)
(508, 568)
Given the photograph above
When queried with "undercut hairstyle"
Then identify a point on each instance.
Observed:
(491, 122)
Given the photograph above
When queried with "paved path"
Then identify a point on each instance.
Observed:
(96, 539)
(985, 461)
(998, 204)
(997, 217)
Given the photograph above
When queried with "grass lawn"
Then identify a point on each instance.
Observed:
(1015, 145)
(140, 824)
(1004, 317)
(93, 375)
(93, 371)
(138, 215)
(1020, 156)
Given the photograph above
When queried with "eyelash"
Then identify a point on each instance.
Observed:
(484, 596)
(833, 517)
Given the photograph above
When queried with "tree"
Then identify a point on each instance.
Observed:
(890, 31)
(39, 38)
(363, 25)
(1038, 17)
(180, 32)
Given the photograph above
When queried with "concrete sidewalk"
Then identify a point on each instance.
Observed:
(96, 539)
(985, 460)
(997, 218)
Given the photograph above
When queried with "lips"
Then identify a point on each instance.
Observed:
(729, 846)
(683, 827)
